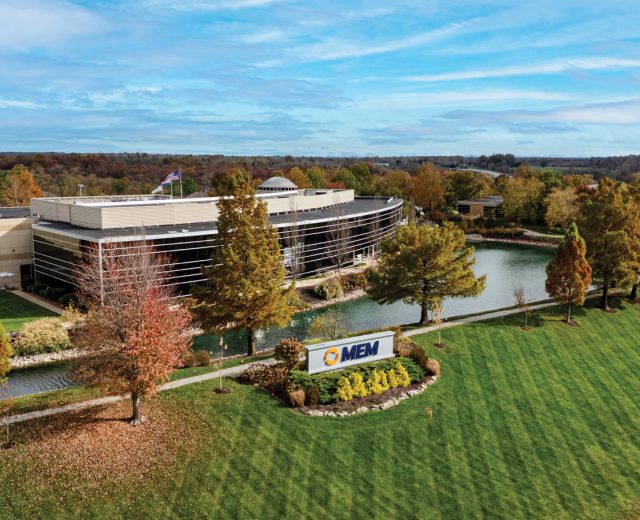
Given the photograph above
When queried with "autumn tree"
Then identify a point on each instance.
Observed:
(428, 191)
(298, 177)
(465, 185)
(562, 207)
(523, 199)
(20, 187)
(316, 177)
(634, 235)
(134, 335)
(605, 221)
(423, 265)
(245, 283)
(568, 272)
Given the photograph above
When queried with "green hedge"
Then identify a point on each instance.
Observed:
(327, 382)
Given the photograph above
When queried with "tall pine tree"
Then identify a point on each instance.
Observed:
(423, 265)
(569, 273)
(245, 284)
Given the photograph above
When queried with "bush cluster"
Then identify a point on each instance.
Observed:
(40, 337)
(288, 352)
(356, 381)
(353, 281)
(274, 377)
(196, 358)
(329, 289)
(60, 295)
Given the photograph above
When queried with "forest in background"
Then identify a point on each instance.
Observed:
(121, 173)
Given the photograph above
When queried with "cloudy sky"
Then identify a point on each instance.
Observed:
(558, 78)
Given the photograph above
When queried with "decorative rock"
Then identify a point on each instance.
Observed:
(362, 409)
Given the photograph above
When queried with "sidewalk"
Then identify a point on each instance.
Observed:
(38, 301)
(237, 370)
(225, 372)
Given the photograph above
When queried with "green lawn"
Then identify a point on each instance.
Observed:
(16, 311)
(538, 424)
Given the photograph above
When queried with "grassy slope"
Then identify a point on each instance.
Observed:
(16, 311)
(538, 424)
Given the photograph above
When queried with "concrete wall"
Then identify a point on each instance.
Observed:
(16, 247)
(166, 214)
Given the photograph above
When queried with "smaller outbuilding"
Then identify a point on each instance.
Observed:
(489, 207)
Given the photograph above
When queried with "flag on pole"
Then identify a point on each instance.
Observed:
(173, 176)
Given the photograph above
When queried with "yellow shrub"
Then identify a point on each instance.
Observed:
(403, 376)
(377, 383)
(394, 382)
(357, 385)
(345, 392)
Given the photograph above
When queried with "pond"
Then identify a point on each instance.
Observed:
(506, 266)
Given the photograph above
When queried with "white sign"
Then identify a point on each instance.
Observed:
(341, 353)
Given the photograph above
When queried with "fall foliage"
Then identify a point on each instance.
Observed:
(245, 284)
(569, 273)
(134, 336)
(428, 191)
(20, 187)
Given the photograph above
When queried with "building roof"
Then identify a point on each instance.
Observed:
(278, 182)
(19, 212)
(489, 201)
(360, 206)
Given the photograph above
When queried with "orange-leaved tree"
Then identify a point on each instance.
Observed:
(135, 333)
(20, 187)
(568, 272)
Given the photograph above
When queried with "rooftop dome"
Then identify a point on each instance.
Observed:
(277, 184)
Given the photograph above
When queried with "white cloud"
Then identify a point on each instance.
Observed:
(551, 67)
(207, 5)
(417, 100)
(32, 24)
(268, 36)
(336, 49)
(14, 103)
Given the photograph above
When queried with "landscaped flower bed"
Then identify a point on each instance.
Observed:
(355, 389)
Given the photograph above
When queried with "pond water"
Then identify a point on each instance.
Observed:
(507, 266)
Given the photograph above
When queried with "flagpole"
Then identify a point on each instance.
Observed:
(180, 177)
(171, 188)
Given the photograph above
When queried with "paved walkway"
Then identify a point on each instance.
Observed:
(225, 372)
(237, 370)
(38, 301)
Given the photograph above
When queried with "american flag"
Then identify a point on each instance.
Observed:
(173, 176)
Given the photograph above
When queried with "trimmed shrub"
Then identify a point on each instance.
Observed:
(288, 352)
(377, 382)
(40, 337)
(357, 385)
(353, 281)
(202, 357)
(432, 366)
(345, 392)
(394, 382)
(329, 289)
(404, 379)
(297, 398)
(37, 287)
(44, 292)
(419, 356)
(312, 395)
(56, 293)
(270, 377)
(188, 360)
(66, 299)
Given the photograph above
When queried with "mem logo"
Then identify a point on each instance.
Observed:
(334, 355)
(345, 352)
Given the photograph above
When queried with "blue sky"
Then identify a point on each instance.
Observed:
(557, 78)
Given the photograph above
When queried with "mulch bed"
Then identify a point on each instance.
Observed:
(368, 401)
(98, 447)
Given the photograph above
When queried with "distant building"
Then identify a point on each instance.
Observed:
(16, 244)
(489, 207)
(317, 229)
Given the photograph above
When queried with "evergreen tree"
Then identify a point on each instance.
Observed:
(605, 222)
(423, 265)
(569, 273)
(189, 186)
(245, 284)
